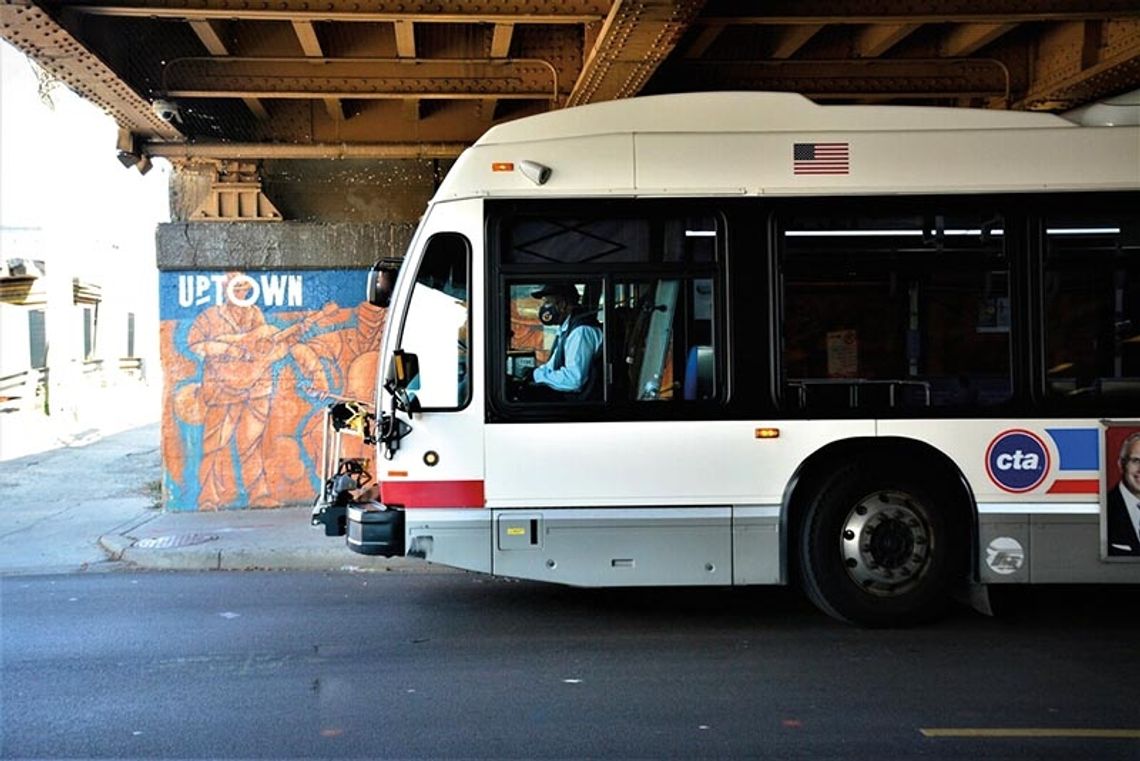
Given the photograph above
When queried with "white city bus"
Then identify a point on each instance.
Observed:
(883, 352)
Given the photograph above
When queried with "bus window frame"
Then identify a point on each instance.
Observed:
(1010, 210)
(407, 304)
(501, 276)
(1097, 203)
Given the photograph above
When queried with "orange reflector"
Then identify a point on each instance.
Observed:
(767, 433)
(502, 166)
(397, 474)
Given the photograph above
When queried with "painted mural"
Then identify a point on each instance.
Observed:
(251, 360)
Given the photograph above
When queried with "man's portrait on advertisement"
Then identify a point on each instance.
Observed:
(1120, 503)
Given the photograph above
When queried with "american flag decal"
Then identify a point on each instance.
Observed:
(821, 158)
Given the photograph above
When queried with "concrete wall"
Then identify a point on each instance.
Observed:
(269, 245)
(263, 323)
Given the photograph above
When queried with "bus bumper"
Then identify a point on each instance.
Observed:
(373, 529)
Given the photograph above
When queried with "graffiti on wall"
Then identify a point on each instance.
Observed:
(251, 360)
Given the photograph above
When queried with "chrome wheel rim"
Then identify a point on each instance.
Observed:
(886, 543)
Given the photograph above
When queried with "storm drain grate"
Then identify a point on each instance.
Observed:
(176, 540)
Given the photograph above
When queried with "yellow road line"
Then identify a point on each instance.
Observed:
(1103, 734)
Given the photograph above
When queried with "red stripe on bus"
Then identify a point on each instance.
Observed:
(412, 494)
(1075, 486)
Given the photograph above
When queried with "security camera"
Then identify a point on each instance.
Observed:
(166, 110)
(535, 172)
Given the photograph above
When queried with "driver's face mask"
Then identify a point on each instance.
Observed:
(550, 313)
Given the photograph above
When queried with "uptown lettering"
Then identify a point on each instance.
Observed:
(240, 290)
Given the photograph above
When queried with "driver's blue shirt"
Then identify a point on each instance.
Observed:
(577, 348)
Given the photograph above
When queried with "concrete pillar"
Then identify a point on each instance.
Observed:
(263, 323)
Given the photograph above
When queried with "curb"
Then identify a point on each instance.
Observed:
(205, 558)
(115, 545)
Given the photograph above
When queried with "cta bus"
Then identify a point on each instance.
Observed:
(891, 354)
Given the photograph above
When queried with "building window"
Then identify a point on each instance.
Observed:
(130, 334)
(90, 327)
(37, 339)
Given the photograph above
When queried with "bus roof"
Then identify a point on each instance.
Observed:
(746, 143)
(751, 112)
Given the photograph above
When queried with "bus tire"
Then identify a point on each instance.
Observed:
(880, 548)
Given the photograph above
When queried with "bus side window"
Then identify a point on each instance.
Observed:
(1092, 307)
(895, 311)
(555, 341)
(666, 331)
(645, 302)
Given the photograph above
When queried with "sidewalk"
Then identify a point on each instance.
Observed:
(238, 540)
(87, 501)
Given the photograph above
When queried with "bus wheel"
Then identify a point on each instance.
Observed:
(878, 550)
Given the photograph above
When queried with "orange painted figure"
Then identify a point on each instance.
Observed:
(352, 353)
(239, 348)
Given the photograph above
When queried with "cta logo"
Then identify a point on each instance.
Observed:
(1017, 460)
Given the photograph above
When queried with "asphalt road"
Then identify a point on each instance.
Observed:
(287, 665)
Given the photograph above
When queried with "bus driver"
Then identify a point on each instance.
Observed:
(573, 369)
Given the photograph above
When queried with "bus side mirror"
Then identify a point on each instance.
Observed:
(403, 380)
(382, 281)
